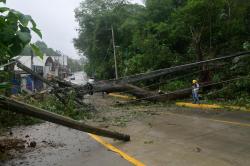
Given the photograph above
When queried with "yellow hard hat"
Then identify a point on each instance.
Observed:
(194, 81)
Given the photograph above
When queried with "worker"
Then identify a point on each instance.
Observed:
(195, 91)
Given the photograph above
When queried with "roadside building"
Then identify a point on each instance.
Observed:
(48, 67)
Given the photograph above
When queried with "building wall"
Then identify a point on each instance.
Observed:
(53, 66)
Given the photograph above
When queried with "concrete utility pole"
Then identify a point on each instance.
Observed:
(19, 107)
(113, 39)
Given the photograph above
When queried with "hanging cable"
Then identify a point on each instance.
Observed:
(175, 92)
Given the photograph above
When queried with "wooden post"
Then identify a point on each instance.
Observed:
(19, 107)
(113, 41)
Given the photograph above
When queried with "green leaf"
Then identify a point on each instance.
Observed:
(37, 31)
(25, 37)
(24, 19)
(15, 47)
(37, 51)
(33, 23)
(5, 85)
(4, 9)
(4, 1)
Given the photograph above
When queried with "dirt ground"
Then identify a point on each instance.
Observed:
(162, 134)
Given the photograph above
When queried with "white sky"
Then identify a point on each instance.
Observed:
(55, 18)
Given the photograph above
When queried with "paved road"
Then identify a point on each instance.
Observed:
(169, 136)
(60, 146)
(193, 138)
(80, 78)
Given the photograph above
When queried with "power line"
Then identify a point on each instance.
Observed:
(173, 79)
(175, 92)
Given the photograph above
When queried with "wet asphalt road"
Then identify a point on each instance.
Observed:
(61, 146)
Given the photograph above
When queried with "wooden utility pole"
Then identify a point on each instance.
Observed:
(19, 107)
(162, 72)
(113, 39)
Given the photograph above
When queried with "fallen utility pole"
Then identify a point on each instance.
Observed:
(162, 72)
(19, 107)
(28, 70)
(50, 83)
(122, 84)
(182, 93)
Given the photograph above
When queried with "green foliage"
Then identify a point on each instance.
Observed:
(52, 104)
(15, 32)
(246, 45)
(236, 93)
(76, 65)
(5, 85)
(164, 33)
(40, 48)
(175, 85)
(160, 34)
(36, 50)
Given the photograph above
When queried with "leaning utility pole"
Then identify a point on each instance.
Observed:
(113, 39)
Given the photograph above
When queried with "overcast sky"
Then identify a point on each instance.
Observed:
(56, 20)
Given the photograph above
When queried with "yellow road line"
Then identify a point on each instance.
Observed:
(203, 106)
(210, 106)
(231, 122)
(215, 120)
(121, 96)
(114, 149)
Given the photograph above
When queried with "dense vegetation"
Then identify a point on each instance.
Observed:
(161, 34)
(44, 49)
